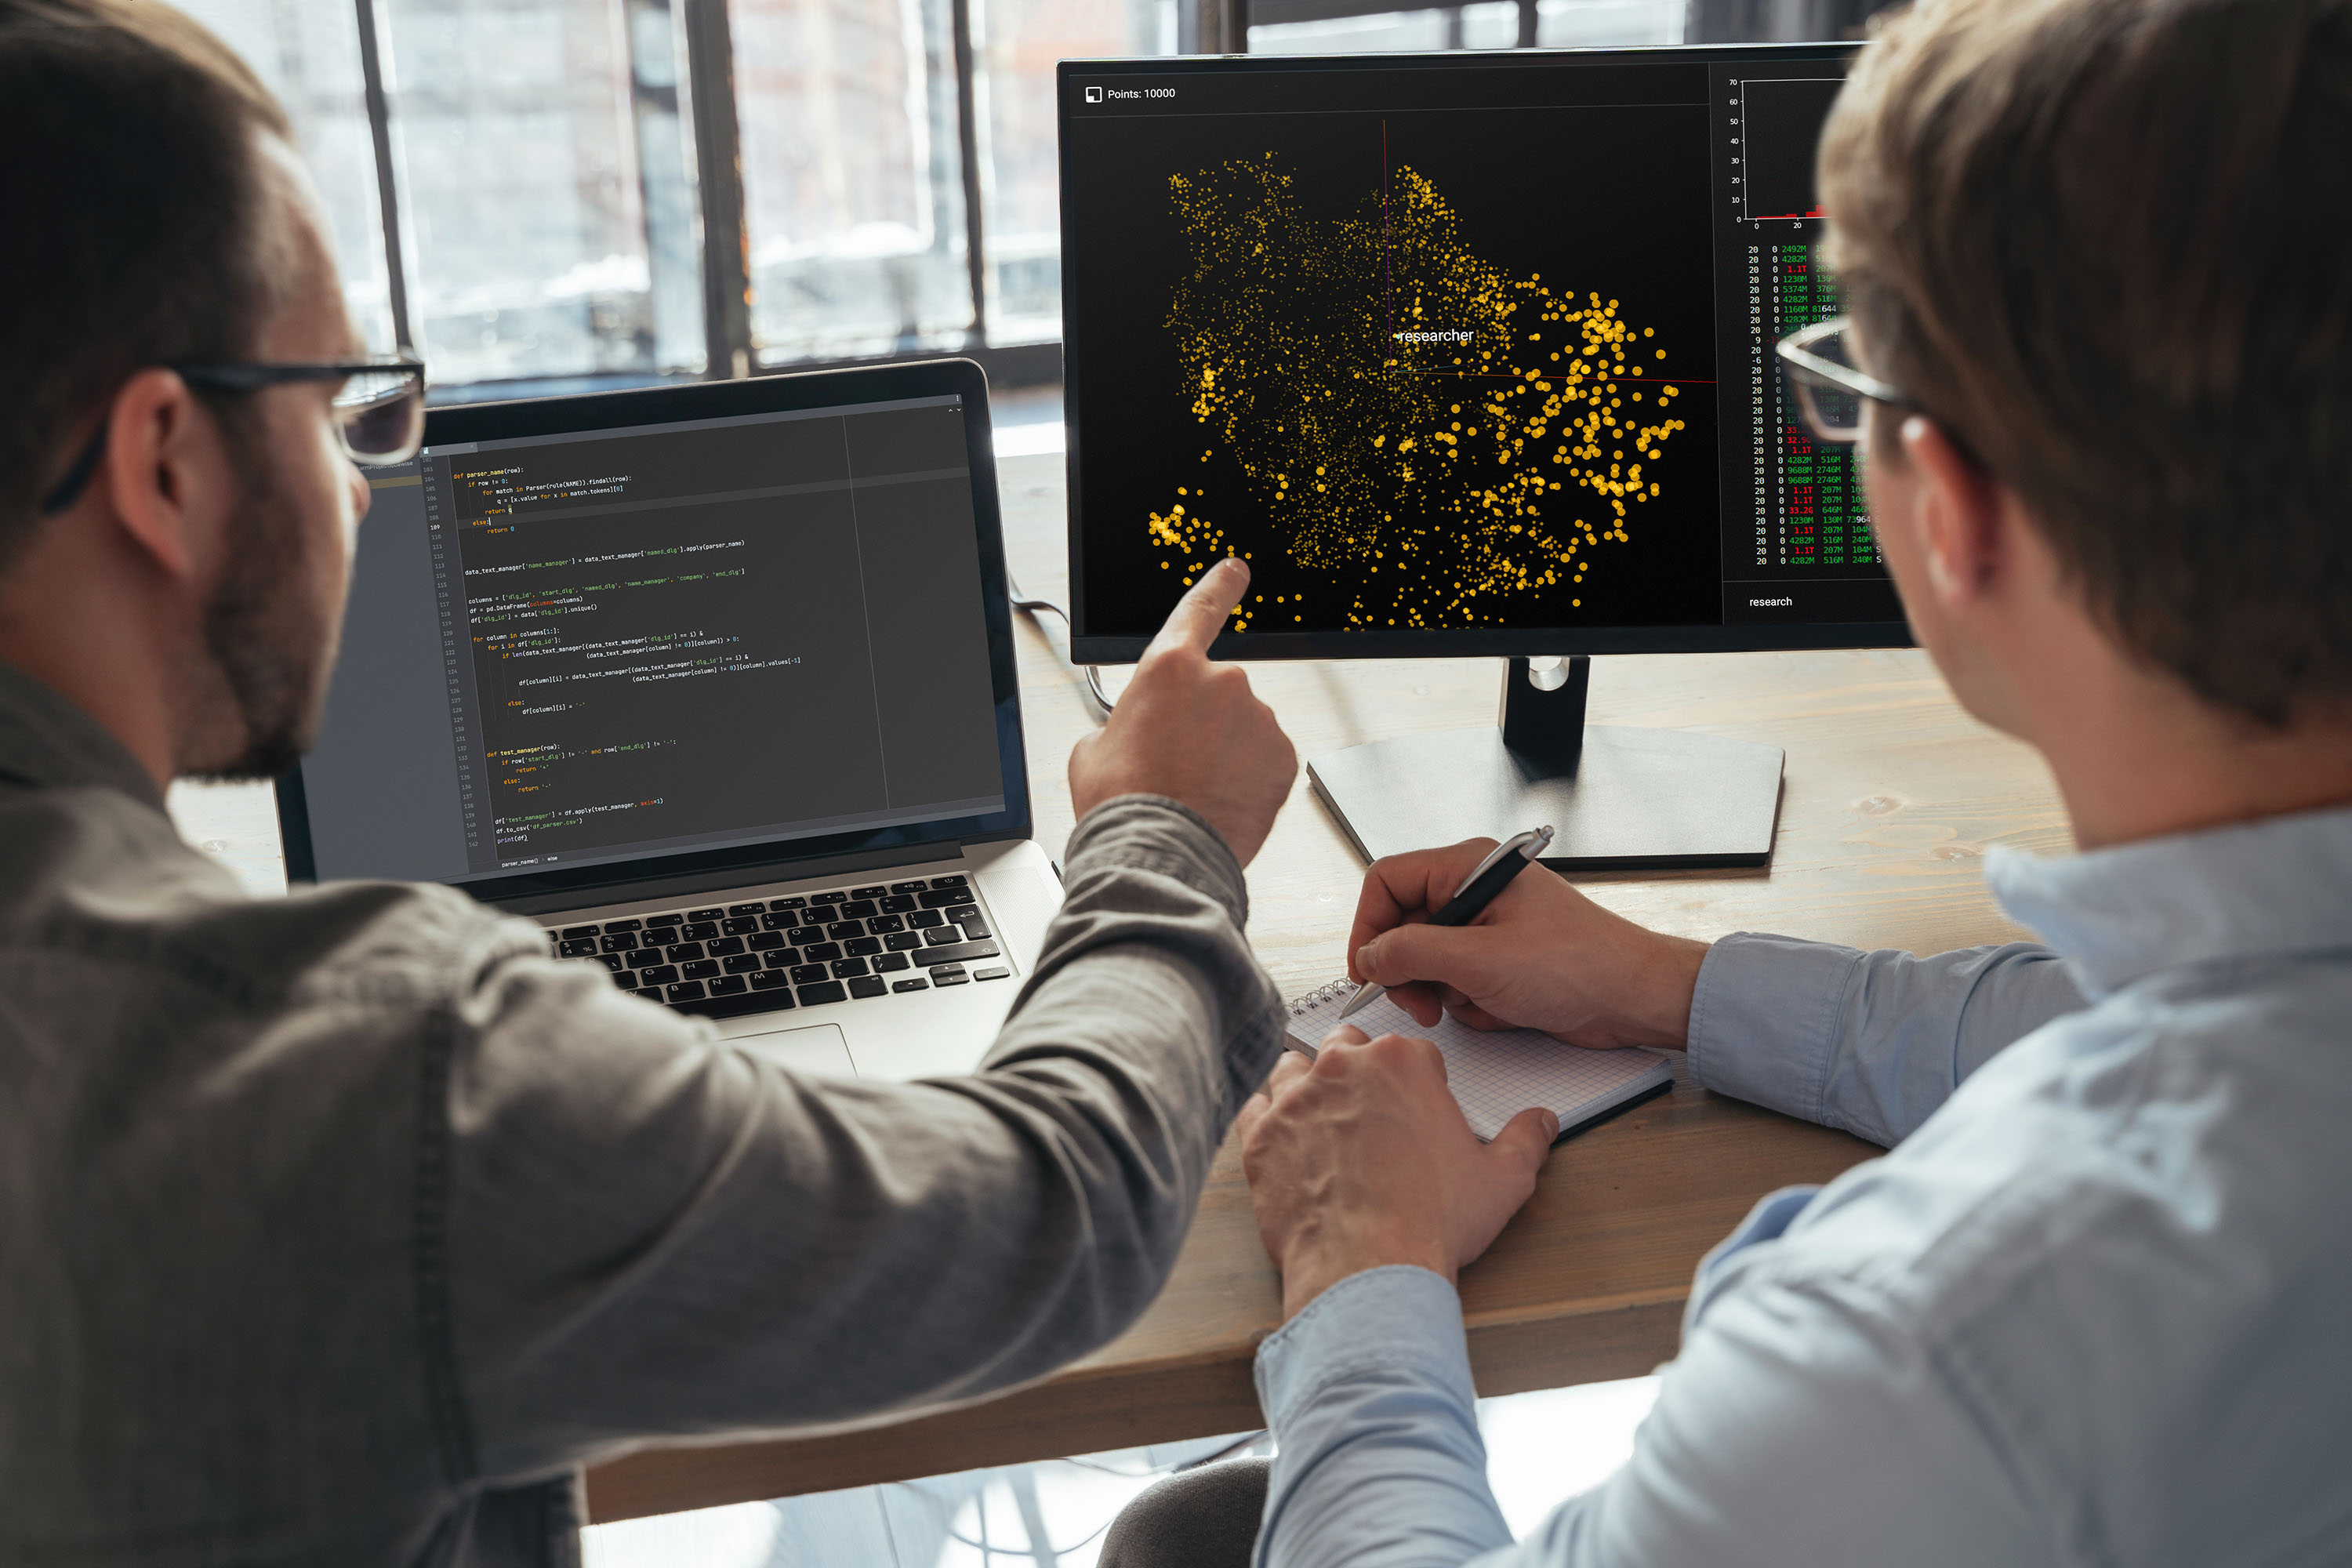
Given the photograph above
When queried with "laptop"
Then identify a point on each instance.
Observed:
(716, 683)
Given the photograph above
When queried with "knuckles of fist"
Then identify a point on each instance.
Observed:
(1360, 1158)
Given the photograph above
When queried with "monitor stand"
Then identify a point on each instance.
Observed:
(1622, 799)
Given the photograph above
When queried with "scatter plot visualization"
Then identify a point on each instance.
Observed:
(1459, 357)
(1437, 438)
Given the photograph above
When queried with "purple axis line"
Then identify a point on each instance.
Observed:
(1574, 381)
(1388, 272)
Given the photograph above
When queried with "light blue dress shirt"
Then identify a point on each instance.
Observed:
(2095, 1307)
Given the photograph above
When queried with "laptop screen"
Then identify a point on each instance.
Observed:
(571, 650)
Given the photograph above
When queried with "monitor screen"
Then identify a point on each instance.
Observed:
(1463, 354)
(577, 650)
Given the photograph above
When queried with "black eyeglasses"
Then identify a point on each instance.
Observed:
(1829, 389)
(379, 411)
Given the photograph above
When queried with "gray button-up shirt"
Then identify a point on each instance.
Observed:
(2095, 1309)
(342, 1228)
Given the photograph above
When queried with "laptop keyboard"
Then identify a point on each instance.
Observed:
(724, 961)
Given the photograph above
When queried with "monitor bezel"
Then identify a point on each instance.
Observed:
(771, 859)
(1093, 648)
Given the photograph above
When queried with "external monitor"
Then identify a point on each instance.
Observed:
(1467, 354)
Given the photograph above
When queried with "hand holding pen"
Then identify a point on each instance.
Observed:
(1481, 887)
(1543, 957)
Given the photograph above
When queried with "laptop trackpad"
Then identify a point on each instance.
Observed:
(811, 1048)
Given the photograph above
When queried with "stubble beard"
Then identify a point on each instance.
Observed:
(270, 647)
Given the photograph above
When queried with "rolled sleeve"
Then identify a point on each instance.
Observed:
(1164, 838)
(1154, 904)
(653, 1231)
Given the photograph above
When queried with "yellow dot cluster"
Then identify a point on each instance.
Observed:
(1195, 542)
(1433, 481)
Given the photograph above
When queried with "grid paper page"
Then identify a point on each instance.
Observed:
(1496, 1074)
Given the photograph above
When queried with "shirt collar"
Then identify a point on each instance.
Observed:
(2279, 886)
(49, 742)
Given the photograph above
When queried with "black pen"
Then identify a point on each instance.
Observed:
(1485, 885)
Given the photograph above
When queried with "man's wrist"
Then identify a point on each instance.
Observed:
(1679, 960)
(1652, 982)
(1158, 833)
(1309, 1271)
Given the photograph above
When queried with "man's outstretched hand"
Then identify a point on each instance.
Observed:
(1361, 1159)
(1191, 730)
(1542, 956)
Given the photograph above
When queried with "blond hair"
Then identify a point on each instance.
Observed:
(2098, 240)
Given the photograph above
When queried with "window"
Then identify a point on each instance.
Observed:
(1349, 26)
(1593, 24)
(867, 178)
(1017, 43)
(853, 188)
(310, 56)
(522, 187)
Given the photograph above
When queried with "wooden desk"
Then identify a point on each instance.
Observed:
(1890, 797)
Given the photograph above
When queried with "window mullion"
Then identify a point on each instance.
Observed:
(1222, 26)
(719, 179)
(968, 143)
(379, 113)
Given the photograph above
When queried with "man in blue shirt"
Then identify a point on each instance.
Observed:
(2093, 1306)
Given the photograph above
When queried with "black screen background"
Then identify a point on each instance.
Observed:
(1522, 198)
(1650, 250)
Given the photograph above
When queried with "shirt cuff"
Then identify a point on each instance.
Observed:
(1764, 1019)
(1153, 832)
(1398, 1319)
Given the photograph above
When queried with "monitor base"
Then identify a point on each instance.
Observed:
(1620, 799)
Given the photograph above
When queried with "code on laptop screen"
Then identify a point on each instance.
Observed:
(635, 641)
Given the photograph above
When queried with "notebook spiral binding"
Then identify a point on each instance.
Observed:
(1314, 999)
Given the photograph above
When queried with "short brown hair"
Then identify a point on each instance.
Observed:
(2094, 238)
(133, 206)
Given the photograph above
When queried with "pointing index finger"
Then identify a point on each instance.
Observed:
(1206, 607)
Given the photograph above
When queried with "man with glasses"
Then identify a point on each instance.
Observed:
(379, 409)
(2092, 1308)
(344, 1228)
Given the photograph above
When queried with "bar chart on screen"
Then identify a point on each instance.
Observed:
(1780, 128)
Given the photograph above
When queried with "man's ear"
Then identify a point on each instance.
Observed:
(1960, 512)
(166, 470)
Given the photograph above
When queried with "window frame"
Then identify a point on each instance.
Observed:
(707, 82)
(707, 104)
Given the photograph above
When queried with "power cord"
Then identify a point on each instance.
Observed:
(1036, 607)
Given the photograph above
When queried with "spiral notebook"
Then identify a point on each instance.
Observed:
(1497, 1073)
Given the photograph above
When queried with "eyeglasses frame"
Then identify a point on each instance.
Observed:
(253, 378)
(1795, 351)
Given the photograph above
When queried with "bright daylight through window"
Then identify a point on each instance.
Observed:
(620, 191)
